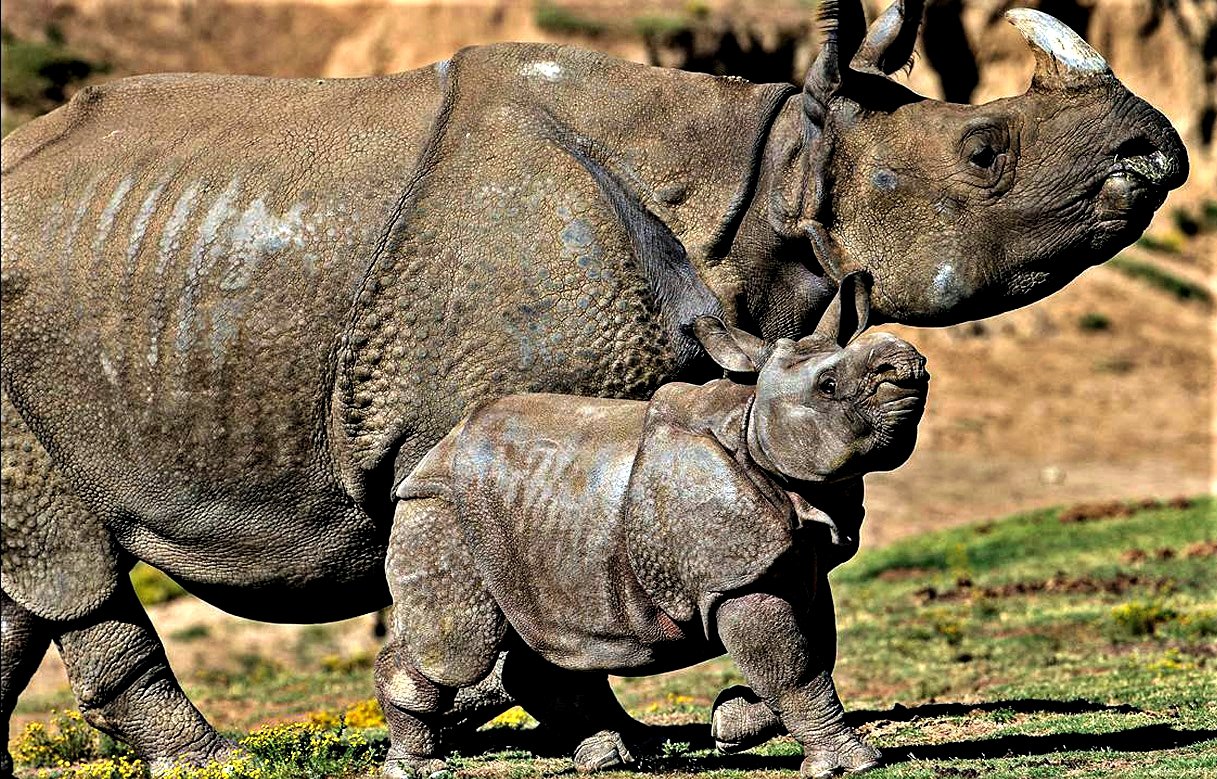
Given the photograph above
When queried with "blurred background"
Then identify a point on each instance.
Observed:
(1103, 392)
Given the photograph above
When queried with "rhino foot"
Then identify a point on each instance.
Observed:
(216, 751)
(415, 768)
(602, 751)
(845, 752)
(741, 720)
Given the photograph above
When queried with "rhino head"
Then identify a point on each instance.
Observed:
(960, 211)
(834, 404)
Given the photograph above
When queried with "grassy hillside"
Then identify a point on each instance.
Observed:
(1078, 642)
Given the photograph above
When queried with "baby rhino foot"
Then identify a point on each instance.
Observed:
(741, 720)
(604, 750)
(843, 752)
(415, 768)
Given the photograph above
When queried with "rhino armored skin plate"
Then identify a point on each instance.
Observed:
(238, 311)
(550, 540)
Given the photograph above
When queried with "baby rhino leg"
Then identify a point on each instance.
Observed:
(444, 634)
(579, 707)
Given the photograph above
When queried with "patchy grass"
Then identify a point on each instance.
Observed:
(1163, 280)
(1076, 642)
(560, 20)
(154, 587)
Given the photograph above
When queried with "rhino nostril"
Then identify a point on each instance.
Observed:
(1140, 146)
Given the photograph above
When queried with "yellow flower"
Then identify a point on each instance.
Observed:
(365, 714)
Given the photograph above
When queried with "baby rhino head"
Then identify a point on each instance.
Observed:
(834, 404)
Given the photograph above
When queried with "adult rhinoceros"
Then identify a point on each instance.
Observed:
(237, 310)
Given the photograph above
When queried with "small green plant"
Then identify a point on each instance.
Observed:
(1003, 716)
(1139, 619)
(556, 19)
(154, 587)
(1169, 244)
(1094, 321)
(190, 633)
(660, 26)
(1163, 280)
(671, 749)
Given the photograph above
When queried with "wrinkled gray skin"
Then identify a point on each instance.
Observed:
(237, 310)
(579, 537)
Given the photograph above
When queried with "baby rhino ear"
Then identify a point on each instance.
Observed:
(730, 347)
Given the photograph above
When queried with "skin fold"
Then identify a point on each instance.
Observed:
(238, 311)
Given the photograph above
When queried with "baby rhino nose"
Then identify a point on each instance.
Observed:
(898, 362)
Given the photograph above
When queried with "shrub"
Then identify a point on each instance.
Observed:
(66, 739)
(563, 21)
(660, 26)
(1163, 280)
(35, 76)
(1094, 321)
(1137, 619)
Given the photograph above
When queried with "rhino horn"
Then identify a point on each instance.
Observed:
(1062, 59)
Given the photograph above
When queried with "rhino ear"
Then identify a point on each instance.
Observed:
(889, 42)
(844, 24)
(849, 312)
(733, 349)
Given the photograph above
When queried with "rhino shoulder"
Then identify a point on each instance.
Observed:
(698, 522)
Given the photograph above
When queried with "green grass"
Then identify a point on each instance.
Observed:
(560, 20)
(1163, 280)
(1078, 643)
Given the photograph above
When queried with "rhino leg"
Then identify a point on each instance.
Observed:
(578, 707)
(124, 686)
(437, 670)
(767, 637)
(741, 719)
(479, 703)
(24, 639)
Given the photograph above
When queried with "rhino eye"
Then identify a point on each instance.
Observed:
(984, 157)
(828, 385)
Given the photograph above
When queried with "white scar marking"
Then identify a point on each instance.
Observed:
(106, 222)
(550, 71)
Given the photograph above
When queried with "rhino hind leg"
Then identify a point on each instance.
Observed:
(577, 707)
(438, 672)
(124, 686)
(24, 639)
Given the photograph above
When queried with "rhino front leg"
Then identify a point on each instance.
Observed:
(579, 707)
(124, 686)
(741, 719)
(763, 634)
(24, 639)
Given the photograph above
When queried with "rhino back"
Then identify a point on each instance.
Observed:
(564, 233)
(180, 257)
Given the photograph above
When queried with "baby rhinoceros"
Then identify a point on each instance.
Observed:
(573, 537)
